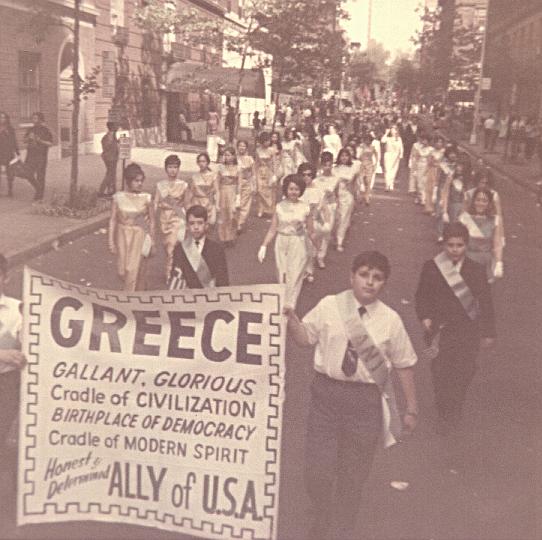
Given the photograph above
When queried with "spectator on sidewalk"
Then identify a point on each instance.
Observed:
(12, 359)
(532, 134)
(230, 123)
(8, 149)
(213, 122)
(183, 128)
(489, 133)
(38, 139)
(256, 125)
(110, 156)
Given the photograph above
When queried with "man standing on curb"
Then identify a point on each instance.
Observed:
(359, 340)
(38, 139)
(110, 156)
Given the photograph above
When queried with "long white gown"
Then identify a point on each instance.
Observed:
(392, 157)
(345, 203)
(328, 185)
(291, 255)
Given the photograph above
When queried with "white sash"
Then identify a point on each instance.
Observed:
(456, 282)
(197, 262)
(375, 362)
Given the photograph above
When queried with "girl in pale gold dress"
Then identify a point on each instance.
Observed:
(203, 188)
(266, 178)
(169, 204)
(228, 197)
(131, 229)
(247, 185)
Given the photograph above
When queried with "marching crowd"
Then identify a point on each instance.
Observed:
(308, 181)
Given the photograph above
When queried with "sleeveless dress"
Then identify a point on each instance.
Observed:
(291, 254)
(265, 170)
(392, 157)
(345, 199)
(202, 191)
(170, 200)
(367, 170)
(133, 212)
(433, 168)
(247, 187)
(228, 186)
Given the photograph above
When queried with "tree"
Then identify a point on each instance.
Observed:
(406, 76)
(40, 22)
(361, 69)
(303, 38)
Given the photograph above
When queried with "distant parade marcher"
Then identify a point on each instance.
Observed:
(198, 262)
(485, 234)
(131, 229)
(292, 226)
(393, 153)
(453, 300)
(327, 182)
(170, 201)
(367, 158)
(213, 139)
(345, 171)
(183, 127)
(452, 196)
(359, 341)
(228, 180)
(418, 168)
(247, 183)
(38, 139)
(332, 142)
(110, 157)
(203, 188)
(266, 177)
(433, 169)
(291, 155)
(12, 360)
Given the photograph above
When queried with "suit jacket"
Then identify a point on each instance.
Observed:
(435, 299)
(214, 256)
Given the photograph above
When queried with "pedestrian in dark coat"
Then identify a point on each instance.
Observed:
(38, 139)
(8, 149)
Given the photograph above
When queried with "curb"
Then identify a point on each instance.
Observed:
(499, 168)
(19, 256)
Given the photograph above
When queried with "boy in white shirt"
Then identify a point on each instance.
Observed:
(359, 340)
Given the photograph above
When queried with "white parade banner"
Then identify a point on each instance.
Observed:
(161, 409)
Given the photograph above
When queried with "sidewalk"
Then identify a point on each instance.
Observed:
(26, 234)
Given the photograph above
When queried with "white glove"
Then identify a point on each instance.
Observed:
(499, 270)
(238, 201)
(261, 253)
(445, 217)
(273, 180)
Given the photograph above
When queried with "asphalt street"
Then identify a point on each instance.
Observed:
(480, 483)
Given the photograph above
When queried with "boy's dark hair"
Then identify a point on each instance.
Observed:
(198, 211)
(293, 179)
(306, 167)
(111, 126)
(3, 265)
(455, 230)
(132, 171)
(172, 159)
(326, 156)
(372, 259)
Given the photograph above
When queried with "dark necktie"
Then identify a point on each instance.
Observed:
(350, 360)
(197, 243)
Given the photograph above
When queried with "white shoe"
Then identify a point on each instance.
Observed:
(321, 263)
(340, 248)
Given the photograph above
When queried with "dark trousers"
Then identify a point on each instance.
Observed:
(183, 128)
(453, 370)
(344, 425)
(9, 402)
(37, 169)
(9, 176)
(108, 185)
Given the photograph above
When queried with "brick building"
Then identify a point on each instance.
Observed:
(36, 73)
(514, 57)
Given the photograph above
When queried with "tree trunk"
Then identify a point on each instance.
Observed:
(76, 104)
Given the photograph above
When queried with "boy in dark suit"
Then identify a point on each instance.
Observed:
(454, 298)
(197, 261)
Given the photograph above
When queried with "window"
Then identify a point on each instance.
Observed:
(117, 13)
(29, 84)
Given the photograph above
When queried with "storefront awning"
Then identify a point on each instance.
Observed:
(187, 76)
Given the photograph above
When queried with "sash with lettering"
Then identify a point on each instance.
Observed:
(455, 281)
(198, 264)
(374, 360)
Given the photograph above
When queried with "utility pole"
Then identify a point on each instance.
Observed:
(369, 23)
(478, 96)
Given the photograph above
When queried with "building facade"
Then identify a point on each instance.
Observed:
(513, 59)
(130, 66)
